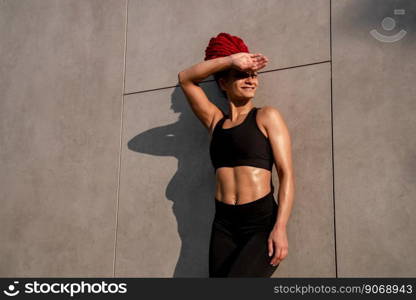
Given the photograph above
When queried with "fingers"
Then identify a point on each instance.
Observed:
(258, 66)
(259, 61)
(283, 253)
(270, 246)
(250, 61)
(277, 260)
(276, 257)
(259, 57)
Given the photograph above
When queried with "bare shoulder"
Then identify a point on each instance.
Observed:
(269, 113)
(271, 118)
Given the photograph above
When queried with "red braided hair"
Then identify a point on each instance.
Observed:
(224, 44)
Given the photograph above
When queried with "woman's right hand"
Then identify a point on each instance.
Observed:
(248, 62)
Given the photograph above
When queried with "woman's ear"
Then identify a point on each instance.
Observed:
(222, 83)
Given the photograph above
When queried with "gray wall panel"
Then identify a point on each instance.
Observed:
(374, 139)
(60, 110)
(165, 37)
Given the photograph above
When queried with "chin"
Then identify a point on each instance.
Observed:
(248, 94)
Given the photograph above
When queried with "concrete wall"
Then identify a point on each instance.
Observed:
(112, 175)
(374, 129)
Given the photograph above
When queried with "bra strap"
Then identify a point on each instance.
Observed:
(253, 116)
(219, 123)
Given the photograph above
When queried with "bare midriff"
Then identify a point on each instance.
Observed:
(241, 184)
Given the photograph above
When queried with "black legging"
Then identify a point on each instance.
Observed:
(238, 242)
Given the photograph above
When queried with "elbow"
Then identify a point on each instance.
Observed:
(181, 78)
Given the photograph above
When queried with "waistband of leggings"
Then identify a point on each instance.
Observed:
(263, 205)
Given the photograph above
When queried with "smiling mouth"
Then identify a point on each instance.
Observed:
(248, 88)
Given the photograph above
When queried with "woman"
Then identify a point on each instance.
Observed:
(248, 235)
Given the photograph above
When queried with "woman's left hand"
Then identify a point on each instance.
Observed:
(277, 245)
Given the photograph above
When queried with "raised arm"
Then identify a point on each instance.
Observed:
(206, 111)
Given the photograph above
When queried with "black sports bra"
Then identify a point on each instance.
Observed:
(241, 145)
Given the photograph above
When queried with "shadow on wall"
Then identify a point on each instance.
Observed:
(192, 188)
(389, 20)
